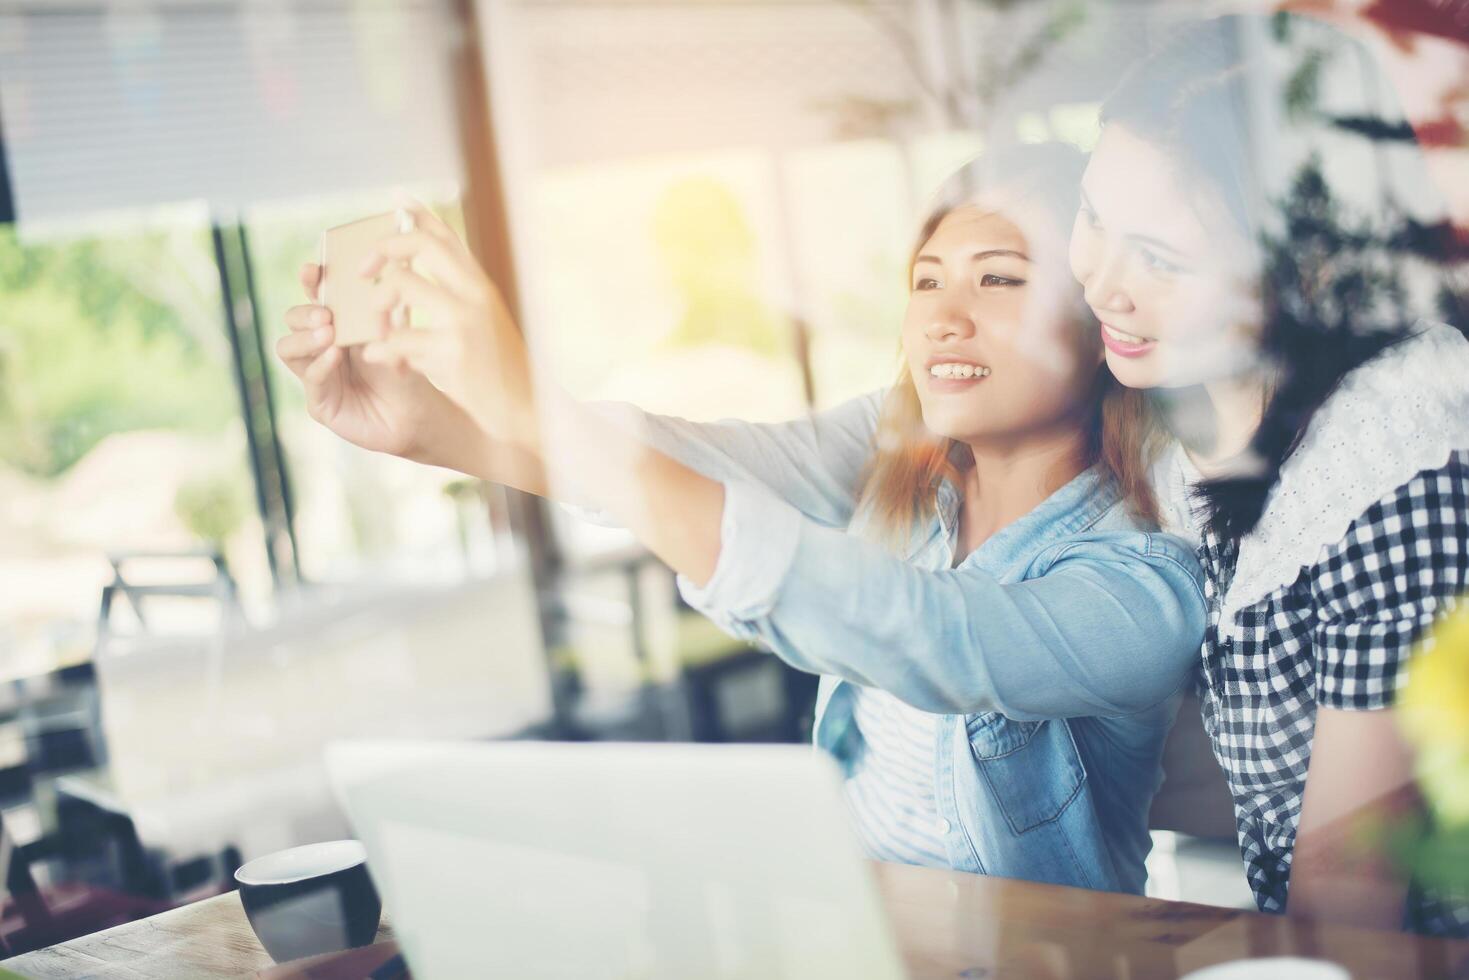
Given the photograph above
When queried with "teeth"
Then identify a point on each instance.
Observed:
(957, 370)
(1126, 338)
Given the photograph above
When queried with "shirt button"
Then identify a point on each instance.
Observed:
(944, 826)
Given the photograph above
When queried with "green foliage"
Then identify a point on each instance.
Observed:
(877, 310)
(464, 491)
(1303, 87)
(213, 507)
(82, 271)
(1334, 267)
(972, 100)
(709, 249)
(1438, 858)
(1000, 73)
(1453, 302)
(85, 352)
(1280, 26)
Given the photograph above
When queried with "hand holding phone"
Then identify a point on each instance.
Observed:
(343, 289)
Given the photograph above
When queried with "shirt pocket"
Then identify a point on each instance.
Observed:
(1033, 768)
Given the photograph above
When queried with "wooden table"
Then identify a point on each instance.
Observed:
(947, 925)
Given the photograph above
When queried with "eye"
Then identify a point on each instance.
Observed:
(990, 279)
(925, 283)
(1089, 216)
(1156, 263)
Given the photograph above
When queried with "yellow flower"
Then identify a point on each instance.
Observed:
(1434, 714)
(1443, 776)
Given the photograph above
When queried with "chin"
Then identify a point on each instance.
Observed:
(1134, 372)
(945, 426)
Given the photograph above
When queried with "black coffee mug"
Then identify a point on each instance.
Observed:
(309, 900)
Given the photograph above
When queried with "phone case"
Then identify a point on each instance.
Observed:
(342, 290)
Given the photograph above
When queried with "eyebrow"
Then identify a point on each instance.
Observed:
(1156, 243)
(988, 253)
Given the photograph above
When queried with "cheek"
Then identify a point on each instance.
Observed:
(1160, 304)
(1200, 312)
(1079, 252)
(914, 349)
(1053, 342)
(1065, 374)
(1056, 369)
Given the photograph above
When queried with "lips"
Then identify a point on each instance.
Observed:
(1125, 344)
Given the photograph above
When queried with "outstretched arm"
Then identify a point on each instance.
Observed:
(533, 437)
(474, 353)
(1110, 627)
(815, 463)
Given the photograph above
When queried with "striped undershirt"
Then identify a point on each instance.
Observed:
(890, 791)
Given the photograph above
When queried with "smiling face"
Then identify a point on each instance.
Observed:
(990, 335)
(1167, 272)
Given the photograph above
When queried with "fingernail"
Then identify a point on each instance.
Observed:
(321, 334)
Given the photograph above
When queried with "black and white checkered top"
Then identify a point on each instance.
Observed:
(1354, 559)
(1339, 635)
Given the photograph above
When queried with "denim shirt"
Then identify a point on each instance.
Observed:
(1055, 652)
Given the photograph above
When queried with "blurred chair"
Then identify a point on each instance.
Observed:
(218, 587)
(59, 718)
(1194, 798)
(720, 690)
(70, 864)
(33, 915)
(739, 693)
(1195, 854)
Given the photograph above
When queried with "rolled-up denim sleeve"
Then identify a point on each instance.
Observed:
(758, 535)
(1110, 627)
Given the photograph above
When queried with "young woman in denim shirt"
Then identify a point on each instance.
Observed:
(969, 560)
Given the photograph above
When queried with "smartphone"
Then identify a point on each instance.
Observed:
(342, 289)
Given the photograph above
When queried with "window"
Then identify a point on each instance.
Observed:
(120, 427)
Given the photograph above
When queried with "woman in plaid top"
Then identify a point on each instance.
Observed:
(1321, 459)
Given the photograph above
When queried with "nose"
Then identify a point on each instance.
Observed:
(1103, 288)
(950, 322)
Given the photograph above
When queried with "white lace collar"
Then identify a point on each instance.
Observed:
(1401, 413)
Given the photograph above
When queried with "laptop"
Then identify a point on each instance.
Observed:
(612, 860)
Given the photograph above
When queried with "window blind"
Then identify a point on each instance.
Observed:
(125, 106)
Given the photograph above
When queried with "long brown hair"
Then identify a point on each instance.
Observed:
(901, 484)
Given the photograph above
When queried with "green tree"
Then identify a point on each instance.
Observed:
(105, 336)
(709, 248)
(214, 507)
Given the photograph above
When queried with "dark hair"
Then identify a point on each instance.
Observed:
(1331, 290)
